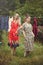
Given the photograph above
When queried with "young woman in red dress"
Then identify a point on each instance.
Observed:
(13, 34)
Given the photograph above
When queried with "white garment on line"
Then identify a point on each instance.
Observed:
(9, 23)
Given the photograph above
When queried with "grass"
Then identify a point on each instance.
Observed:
(35, 58)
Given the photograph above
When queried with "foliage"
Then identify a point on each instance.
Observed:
(34, 8)
(1, 35)
(35, 58)
(22, 6)
(40, 21)
(40, 36)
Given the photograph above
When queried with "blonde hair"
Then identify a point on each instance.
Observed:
(16, 16)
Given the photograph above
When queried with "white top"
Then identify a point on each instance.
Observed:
(9, 23)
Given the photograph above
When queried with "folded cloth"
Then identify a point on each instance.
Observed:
(10, 44)
(15, 45)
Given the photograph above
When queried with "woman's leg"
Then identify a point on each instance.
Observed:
(14, 47)
(14, 51)
(11, 51)
(27, 49)
(25, 53)
(17, 43)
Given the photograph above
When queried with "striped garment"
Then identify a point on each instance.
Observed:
(4, 23)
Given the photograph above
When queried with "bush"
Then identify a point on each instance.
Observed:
(40, 36)
(0, 35)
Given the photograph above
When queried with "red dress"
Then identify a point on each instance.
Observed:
(35, 28)
(13, 34)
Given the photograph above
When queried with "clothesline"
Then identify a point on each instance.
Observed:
(5, 22)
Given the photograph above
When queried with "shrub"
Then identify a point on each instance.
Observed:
(40, 36)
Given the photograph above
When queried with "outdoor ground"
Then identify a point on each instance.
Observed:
(35, 58)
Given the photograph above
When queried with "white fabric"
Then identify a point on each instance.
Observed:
(9, 22)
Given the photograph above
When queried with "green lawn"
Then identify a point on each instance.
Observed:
(35, 58)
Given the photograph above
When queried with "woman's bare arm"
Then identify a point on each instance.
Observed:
(20, 28)
(24, 34)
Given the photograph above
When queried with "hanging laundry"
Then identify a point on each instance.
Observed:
(6, 23)
(9, 23)
(2, 22)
